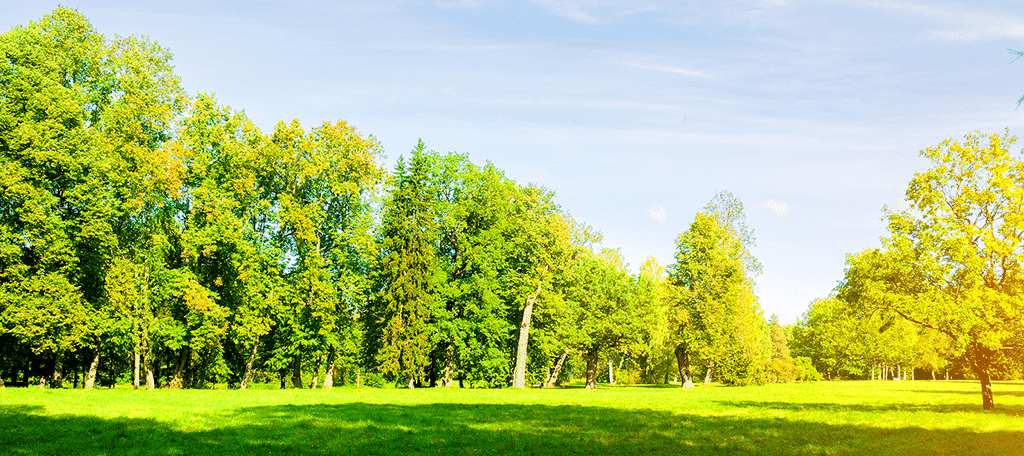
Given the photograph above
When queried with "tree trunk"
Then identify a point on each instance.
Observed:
(592, 367)
(412, 382)
(933, 374)
(316, 372)
(519, 374)
(90, 379)
(449, 366)
(553, 378)
(58, 371)
(611, 373)
(982, 364)
(329, 373)
(297, 372)
(711, 371)
(683, 364)
(247, 377)
(178, 381)
(137, 362)
(359, 377)
(872, 372)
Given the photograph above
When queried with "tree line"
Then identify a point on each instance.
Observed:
(154, 237)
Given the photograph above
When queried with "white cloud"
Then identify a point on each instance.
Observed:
(657, 213)
(780, 209)
(667, 69)
(598, 12)
(958, 23)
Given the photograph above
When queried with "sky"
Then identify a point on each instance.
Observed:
(635, 113)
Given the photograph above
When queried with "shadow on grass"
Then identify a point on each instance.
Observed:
(1008, 410)
(996, 393)
(360, 428)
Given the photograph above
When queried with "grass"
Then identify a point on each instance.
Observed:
(923, 417)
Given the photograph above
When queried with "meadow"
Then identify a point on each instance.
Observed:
(922, 417)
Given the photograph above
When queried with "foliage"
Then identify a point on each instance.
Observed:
(953, 260)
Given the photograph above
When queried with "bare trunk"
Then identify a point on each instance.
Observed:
(297, 372)
(359, 377)
(592, 367)
(137, 360)
(316, 372)
(90, 379)
(58, 371)
(611, 373)
(933, 374)
(553, 378)
(711, 371)
(178, 381)
(449, 366)
(329, 373)
(412, 382)
(519, 374)
(247, 377)
(683, 365)
(150, 378)
(872, 372)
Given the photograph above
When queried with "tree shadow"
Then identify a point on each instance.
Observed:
(360, 428)
(996, 393)
(1008, 410)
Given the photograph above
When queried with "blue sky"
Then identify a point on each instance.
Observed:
(635, 112)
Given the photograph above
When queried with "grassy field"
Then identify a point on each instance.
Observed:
(878, 418)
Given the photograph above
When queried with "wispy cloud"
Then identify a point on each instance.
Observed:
(598, 12)
(957, 22)
(665, 68)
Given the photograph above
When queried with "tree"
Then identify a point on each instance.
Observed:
(712, 292)
(322, 184)
(953, 261)
(611, 307)
(398, 318)
(81, 135)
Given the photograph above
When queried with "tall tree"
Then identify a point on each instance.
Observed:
(714, 292)
(81, 138)
(954, 260)
(322, 182)
(398, 318)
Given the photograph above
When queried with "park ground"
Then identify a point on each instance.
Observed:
(863, 417)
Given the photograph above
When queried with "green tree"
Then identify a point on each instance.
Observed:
(398, 318)
(323, 182)
(709, 282)
(611, 308)
(80, 135)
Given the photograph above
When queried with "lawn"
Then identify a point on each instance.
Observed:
(923, 417)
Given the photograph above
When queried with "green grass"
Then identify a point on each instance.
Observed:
(923, 417)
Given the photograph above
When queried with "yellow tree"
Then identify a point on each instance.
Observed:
(954, 260)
